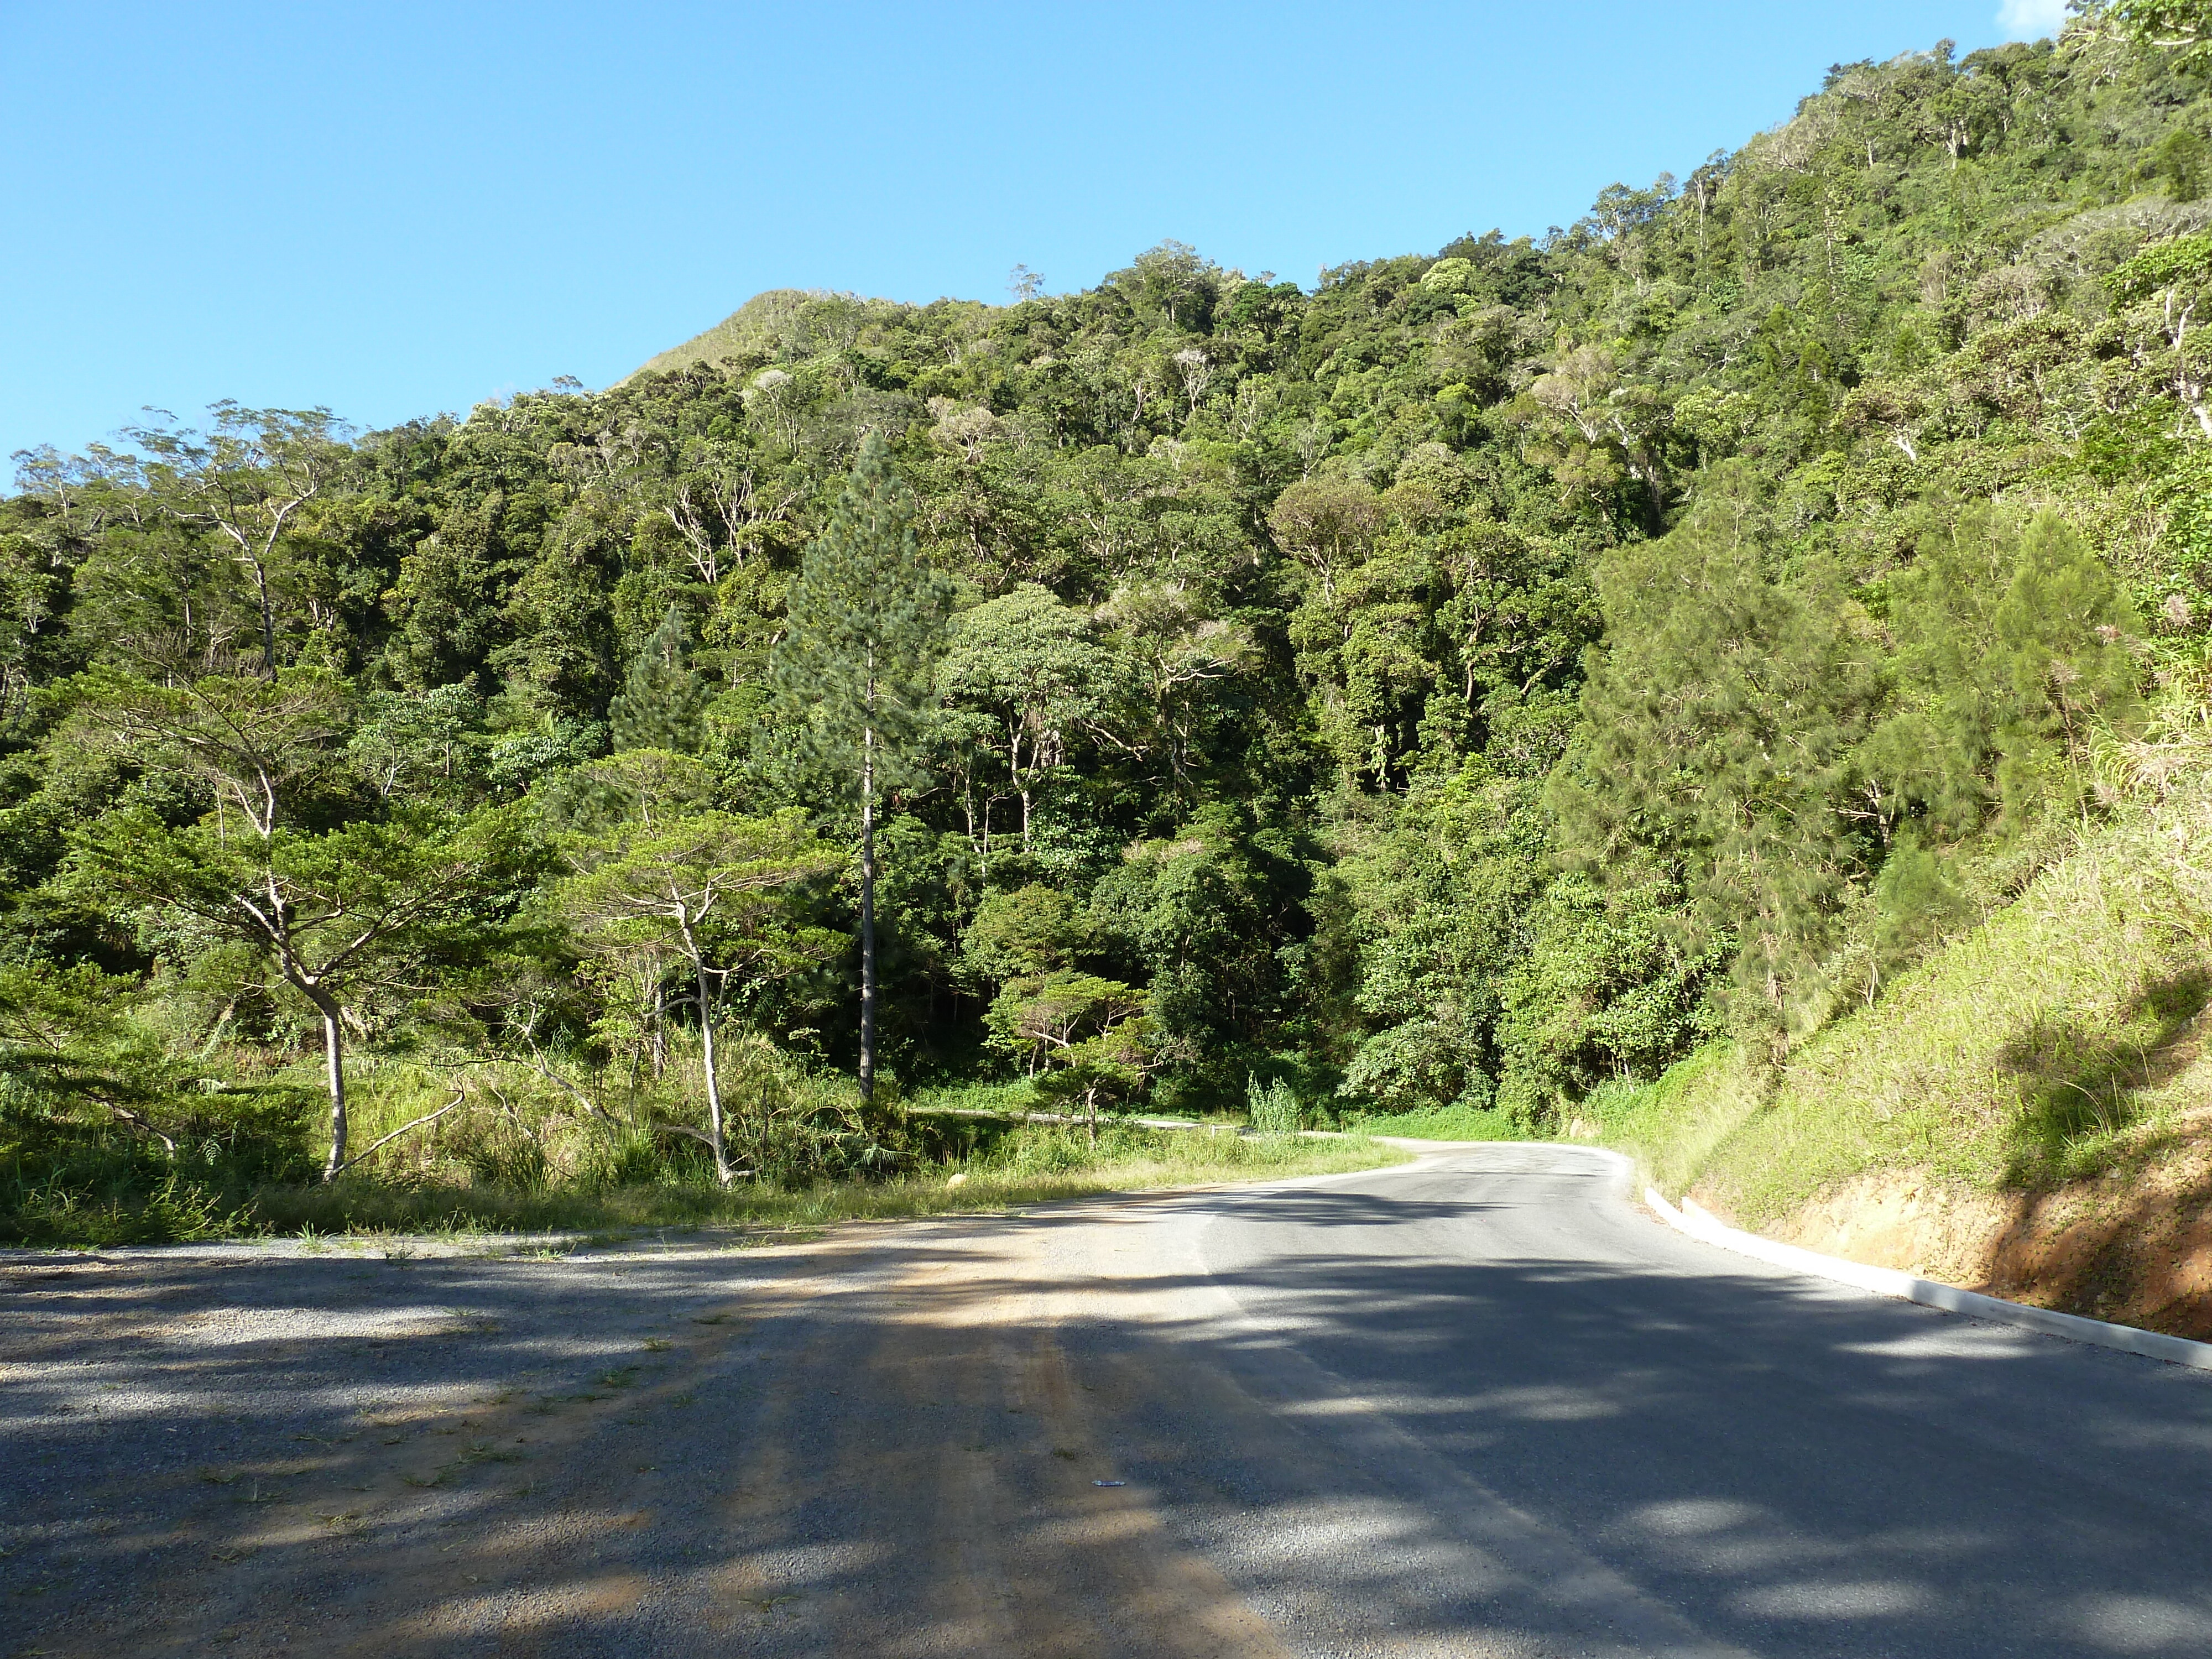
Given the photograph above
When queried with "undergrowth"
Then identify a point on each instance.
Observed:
(1003, 1165)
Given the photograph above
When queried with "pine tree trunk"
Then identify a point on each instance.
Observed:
(868, 919)
(657, 1033)
(334, 1065)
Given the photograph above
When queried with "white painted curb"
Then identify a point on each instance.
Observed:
(1699, 1222)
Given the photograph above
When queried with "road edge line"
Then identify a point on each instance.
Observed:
(1695, 1220)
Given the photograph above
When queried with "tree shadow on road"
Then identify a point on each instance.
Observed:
(1353, 1415)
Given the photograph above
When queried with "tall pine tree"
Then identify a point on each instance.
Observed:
(662, 699)
(1720, 726)
(865, 617)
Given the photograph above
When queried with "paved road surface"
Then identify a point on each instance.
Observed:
(1479, 1405)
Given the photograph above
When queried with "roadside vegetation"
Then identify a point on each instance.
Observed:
(1716, 635)
(492, 1168)
(2057, 1042)
(1443, 1123)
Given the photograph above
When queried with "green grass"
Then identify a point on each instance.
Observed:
(53, 1211)
(1028, 1164)
(1445, 1123)
(2054, 1042)
(1013, 1095)
(1672, 1128)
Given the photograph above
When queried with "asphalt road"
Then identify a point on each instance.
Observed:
(1479, 1404)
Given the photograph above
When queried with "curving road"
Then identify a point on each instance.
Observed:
(1479, 1404)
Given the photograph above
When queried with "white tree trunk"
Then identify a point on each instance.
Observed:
(868, 919)
(334, 1067)
(714, 1082)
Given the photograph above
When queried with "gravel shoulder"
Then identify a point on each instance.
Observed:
(420, 1449)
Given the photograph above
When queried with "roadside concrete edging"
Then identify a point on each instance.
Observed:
(1699, 1222)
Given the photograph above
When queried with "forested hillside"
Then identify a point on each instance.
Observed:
(1472, 678)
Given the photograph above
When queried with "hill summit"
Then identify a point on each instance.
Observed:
(751, 327)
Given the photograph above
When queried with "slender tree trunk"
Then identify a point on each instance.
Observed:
(714, 1082)
(868, 918)
(267, 623)
(334, 1065)
(657, 1034)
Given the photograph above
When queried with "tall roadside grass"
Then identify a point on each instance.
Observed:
(539, 1151)
(78, 1178)
(1020, 1163)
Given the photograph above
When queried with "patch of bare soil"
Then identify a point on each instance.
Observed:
(2133, 1246)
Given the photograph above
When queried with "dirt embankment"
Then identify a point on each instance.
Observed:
(2133, 1246)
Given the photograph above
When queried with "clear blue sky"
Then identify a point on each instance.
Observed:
(400, 208)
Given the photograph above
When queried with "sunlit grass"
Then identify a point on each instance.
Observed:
(1672, 1127)
(1445, 1123)
(2056, 1042)
(1031, 1164)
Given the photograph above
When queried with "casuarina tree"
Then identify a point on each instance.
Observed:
(865, 618)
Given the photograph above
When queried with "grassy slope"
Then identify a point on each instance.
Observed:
(749, 324)
(2051, 1043)
(2045, 1068)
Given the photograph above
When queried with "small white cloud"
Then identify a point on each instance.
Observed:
(2031, 19)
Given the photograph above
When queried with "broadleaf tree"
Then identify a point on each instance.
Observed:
(706, 887)
(253, 745)
(248, 482)
(1085, 1039)
(336, 915)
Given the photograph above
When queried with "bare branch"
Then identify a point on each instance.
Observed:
(460, 1095)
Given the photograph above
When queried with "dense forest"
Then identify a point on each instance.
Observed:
(1472, 679)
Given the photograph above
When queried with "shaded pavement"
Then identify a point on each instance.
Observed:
(1476, 1405)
